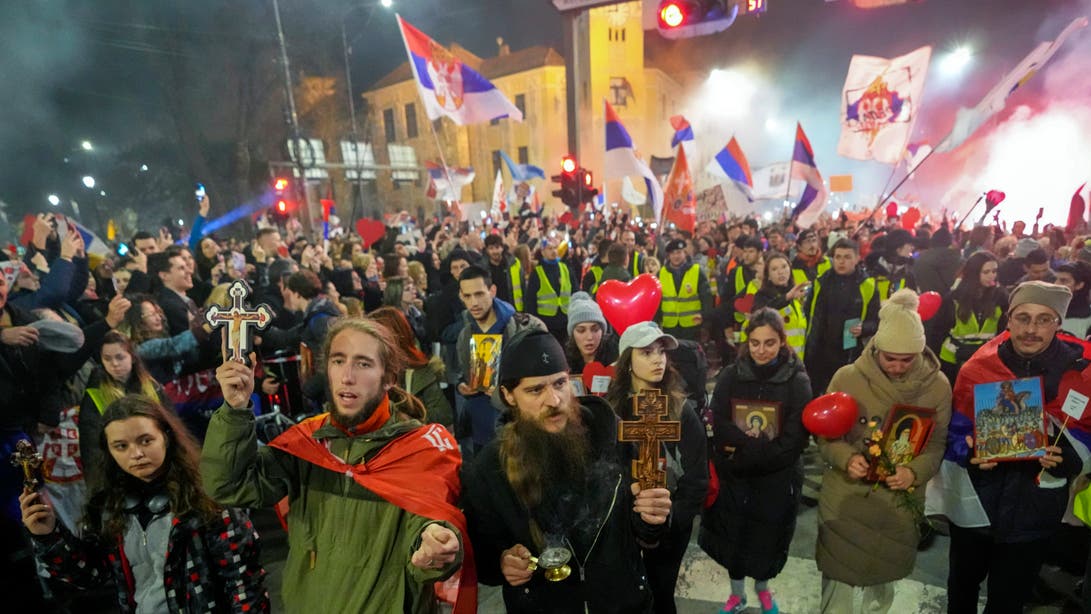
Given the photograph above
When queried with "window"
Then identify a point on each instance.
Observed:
(620, 91)
(524, 156)
(388, 125)
(313, 157)
(402, 156)
(358, 154)
(411, 121)
(521, 104)
(495, 162)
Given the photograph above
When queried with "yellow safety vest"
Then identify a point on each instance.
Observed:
(638, 264)
(868, 288)
(548, 301)
(742, 288)
(596, 272)
(969, 332)
(98, 398)
(795, 326)
(516, 274)
(822, 266)
(885, 288)
(681, 307)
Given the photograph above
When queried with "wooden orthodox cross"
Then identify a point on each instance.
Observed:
(648, 431)
(27, 457)
(239, 321)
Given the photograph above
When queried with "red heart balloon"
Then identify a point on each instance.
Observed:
(830, 415)
(745, 303)
(994, 198)
(929, 305)
(590, 370)
(626, 303)
(371, 231)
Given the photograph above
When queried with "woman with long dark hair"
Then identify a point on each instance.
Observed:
(122, 373)
(974, 312)
(401, 294)
(589, 339)
(149, 526)
(758, 438)
(643, 364)
(164, 356)
(784, 292)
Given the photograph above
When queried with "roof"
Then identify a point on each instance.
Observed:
(490, 68)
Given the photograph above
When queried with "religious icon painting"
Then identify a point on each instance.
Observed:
(578, 388)
(756, 418)
(906, 431)
(1009, 420)
(484, 361)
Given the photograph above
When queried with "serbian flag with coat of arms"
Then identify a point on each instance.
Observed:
(450, 88)
(680, 202)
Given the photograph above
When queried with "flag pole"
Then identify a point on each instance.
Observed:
(442, 157)
(909, 173)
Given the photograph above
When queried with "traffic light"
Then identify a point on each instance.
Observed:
(569, 182)
(688, 18)
(282, 200)
(588, 191)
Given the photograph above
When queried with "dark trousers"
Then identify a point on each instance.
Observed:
(662, 564)
(1011, 569)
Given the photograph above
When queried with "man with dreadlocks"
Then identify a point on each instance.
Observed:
(553, 480)
(379, 540)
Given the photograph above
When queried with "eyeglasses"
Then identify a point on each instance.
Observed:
(1041, 321)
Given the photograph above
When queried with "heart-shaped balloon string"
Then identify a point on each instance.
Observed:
(592, 369)
(627, 303)
(371, 231)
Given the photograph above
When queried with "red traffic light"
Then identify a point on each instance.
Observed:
(282, 206)
(280, 184)
(672, 14)
(568, 164)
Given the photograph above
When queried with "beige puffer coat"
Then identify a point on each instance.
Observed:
(864, 537)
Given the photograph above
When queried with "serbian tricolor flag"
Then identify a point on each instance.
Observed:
(621, 160)
(683, 136)
(450, 88)
(731, 163)
(813, 201)
(681, 202)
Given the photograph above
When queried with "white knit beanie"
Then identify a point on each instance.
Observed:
(900, 327)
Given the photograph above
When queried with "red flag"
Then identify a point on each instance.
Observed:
(1076, 210)
(28, 229)
(679, 201)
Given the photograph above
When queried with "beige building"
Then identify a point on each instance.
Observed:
(534, 80)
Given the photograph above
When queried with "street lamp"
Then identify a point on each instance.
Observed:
(54, 200)
(86, 145)
(89, 182)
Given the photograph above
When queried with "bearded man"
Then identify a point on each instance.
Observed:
(379, 540)
(553, 478)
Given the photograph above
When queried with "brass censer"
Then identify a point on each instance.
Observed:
(554, 560)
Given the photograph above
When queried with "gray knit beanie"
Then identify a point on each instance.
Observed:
(582, 308)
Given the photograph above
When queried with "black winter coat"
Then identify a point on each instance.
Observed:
(607, 574)
(750, 525)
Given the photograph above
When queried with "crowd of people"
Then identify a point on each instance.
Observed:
(415, 411)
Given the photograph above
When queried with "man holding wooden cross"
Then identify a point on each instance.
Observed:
(553, 492)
